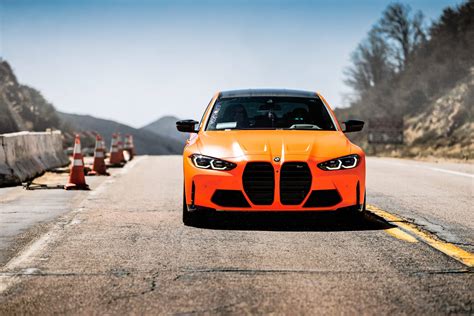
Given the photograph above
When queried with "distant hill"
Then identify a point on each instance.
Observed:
(166, 126)
(23, 108)
(146, 142)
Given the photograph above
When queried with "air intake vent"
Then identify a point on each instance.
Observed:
(229, 198)
(259, 182)
(295, 182)
(323, 198)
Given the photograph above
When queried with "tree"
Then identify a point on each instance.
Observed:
(371, 65)
(402, 31)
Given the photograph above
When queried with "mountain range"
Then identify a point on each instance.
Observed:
(23, 108)
(145, 141)
(166, 126)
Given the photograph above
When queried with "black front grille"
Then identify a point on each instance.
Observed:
(259, 182)
(295, 182)
(322, 198)
(229, 198)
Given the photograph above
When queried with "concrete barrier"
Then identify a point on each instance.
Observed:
(26, 155)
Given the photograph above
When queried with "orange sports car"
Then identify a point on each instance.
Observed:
(270, 150)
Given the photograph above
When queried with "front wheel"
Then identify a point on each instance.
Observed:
(362, 208)
(189, 218)
(358, 210)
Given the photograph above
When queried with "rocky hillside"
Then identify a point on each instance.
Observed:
(146, 142)
(23, 108)
(166, 126)
(447, 127)
(431, 88)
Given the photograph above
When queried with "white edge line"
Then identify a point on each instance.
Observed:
(457, 173)
(6, 281)
(462, 174)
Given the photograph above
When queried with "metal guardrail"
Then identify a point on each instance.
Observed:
(385, 131)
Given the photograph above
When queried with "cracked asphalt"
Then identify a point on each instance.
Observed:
(122, 249)
(427, 194)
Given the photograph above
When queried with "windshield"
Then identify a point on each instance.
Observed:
(270, 113)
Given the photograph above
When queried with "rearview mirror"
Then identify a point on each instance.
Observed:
(352, 126)
(187, 126)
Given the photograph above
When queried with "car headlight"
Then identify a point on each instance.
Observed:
(206, 162)
(346, 162)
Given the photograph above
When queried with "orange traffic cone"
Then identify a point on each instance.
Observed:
(77, 180)
(129, 146)
(120, 148)
(115, 159)
(99, 168)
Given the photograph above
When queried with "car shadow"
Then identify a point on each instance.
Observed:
(293, 221)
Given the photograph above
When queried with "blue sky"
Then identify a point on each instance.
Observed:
(135, 61)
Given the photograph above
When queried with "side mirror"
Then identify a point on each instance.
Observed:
(187, 126)
(353, 126)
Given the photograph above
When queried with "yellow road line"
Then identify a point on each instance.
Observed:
(463, 256)
(400, 234)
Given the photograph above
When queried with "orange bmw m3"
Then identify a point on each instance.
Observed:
(270, 150)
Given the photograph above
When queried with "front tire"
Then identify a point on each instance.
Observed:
(362, 208)
(189, 218)
(357, 210)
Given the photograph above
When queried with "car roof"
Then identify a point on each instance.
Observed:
(267, 93)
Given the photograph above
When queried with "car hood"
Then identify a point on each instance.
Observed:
(289, 144)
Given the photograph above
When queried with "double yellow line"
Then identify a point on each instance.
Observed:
(411, 233)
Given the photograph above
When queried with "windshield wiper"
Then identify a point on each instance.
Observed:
(229, 129)
(304, 126)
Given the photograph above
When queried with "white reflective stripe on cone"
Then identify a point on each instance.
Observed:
(99, 154)
(78, 162)
(77, 148)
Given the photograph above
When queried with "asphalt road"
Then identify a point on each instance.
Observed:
(122, 248)
(26, 214)
(438, 197)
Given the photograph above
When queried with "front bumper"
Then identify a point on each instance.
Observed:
(331, 190)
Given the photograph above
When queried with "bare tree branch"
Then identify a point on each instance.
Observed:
(403, 31)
